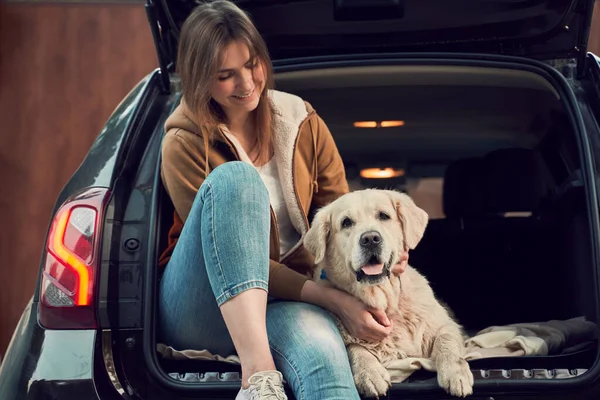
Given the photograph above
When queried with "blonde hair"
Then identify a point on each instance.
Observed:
(205, 34)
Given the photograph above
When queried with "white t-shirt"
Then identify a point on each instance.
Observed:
(288, 236)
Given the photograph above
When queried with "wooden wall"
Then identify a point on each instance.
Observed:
(594, 38)
(63, 68)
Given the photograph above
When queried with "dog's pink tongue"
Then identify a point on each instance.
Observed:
(372, 269)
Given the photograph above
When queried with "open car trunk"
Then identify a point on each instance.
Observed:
(492, 151)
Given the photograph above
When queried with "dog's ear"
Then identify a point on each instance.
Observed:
(412, 218)
(315, 240)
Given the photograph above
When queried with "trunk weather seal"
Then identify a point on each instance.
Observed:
(493, 387)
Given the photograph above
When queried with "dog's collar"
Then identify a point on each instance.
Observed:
(323, 275)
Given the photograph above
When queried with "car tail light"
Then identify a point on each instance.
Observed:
(72, 260)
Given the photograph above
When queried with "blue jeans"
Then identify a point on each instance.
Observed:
(223, 250)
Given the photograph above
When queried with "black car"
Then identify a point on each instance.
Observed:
(486, 111)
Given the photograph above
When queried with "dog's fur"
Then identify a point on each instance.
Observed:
(422, 327)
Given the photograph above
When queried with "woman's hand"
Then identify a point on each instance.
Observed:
(401, 266)
(361, 321)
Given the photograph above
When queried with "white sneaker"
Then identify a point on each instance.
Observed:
(265, 385)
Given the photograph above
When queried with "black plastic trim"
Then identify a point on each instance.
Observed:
(128, 160)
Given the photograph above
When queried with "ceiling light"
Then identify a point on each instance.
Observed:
(365, 124)
(381, 124)
(391, 124)
(381, 173)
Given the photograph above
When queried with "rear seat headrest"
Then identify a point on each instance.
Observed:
(516, 180)
(504, 180)
(462, 195)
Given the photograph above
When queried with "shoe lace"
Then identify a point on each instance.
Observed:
(268, 389)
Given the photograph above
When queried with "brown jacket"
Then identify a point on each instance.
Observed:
(309, 165)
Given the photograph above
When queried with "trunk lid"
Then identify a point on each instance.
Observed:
(539, 29)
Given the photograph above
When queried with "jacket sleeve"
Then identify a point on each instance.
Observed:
(284, 282)
(183, 172)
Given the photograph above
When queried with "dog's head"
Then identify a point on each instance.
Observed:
(359, 237)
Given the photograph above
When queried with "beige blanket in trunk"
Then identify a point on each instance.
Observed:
(525, 339)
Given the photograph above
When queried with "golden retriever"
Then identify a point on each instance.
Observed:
(357, 239)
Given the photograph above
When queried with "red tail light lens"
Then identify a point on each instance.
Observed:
(72, 259)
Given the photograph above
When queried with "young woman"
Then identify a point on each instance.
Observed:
(245, 166)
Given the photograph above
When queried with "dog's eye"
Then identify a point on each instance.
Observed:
(383, 216)
(347, 223)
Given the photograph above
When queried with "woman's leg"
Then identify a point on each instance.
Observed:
(309, 351)
(213, 293)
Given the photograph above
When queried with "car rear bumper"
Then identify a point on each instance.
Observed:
(44, 364)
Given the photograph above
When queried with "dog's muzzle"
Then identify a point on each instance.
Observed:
(373, 269)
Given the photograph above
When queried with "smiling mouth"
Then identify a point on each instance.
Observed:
(245, 96)
(374, 270)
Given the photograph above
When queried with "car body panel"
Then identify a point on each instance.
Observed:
(46, 364)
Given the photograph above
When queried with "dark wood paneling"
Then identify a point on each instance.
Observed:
(63, 69)
(594, 38)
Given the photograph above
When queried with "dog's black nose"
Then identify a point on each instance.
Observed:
(370, 239)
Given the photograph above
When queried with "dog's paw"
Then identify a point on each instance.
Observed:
(372, 381)
(456, 379)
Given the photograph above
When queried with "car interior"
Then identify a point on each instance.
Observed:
(492, 156)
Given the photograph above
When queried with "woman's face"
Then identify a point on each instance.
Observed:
(240, 81)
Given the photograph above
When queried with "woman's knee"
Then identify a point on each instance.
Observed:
(237, 179)
(231, 181)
